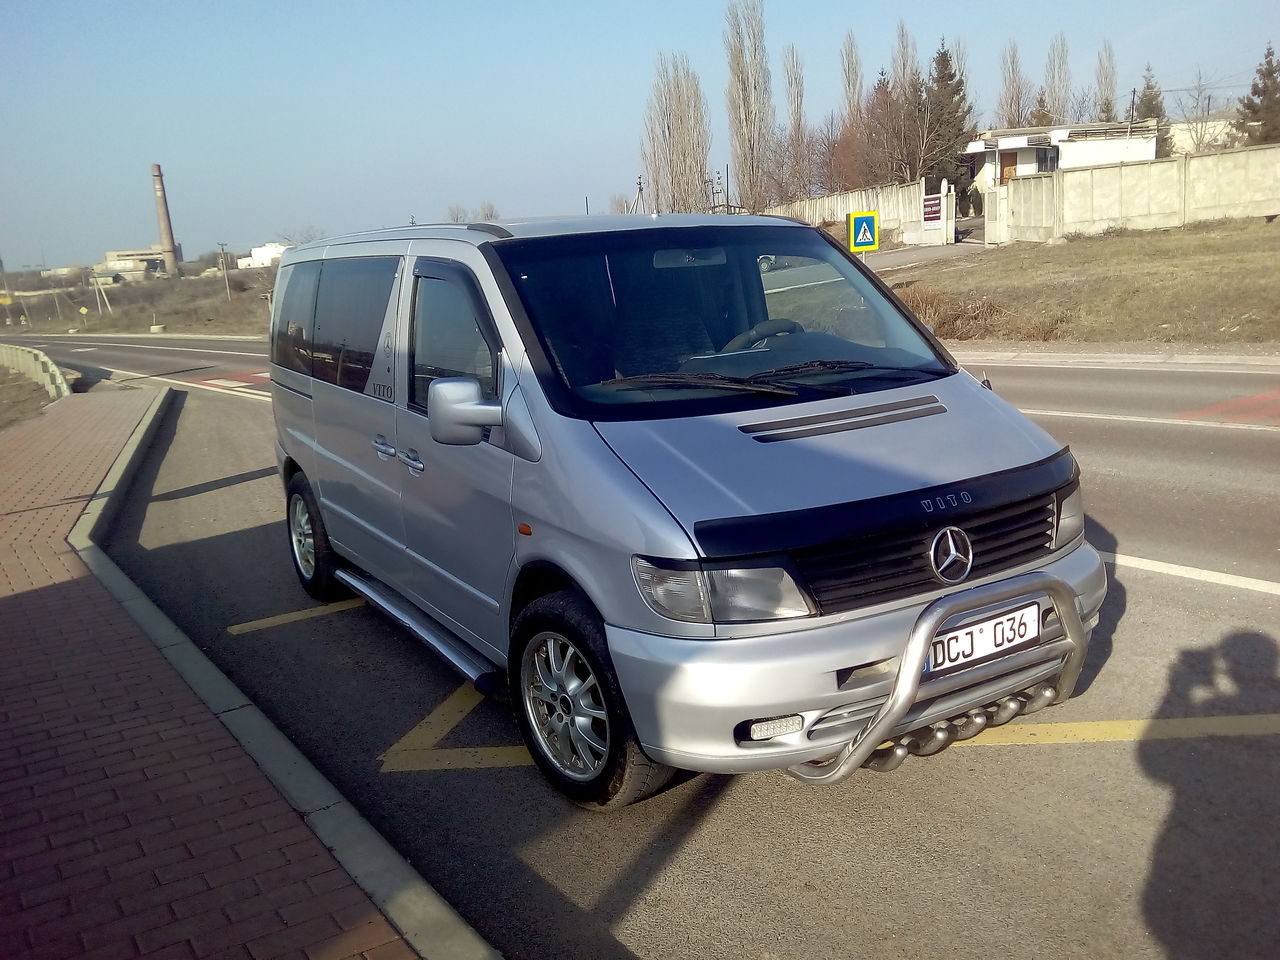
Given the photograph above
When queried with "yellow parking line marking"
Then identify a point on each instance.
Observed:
(307, 614)
(440, 721)
(417, 750)
(1126, 731)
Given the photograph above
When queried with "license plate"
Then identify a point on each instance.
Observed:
(979, 641)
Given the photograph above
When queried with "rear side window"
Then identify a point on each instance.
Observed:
(291, 333)
(447, 337)
(350, 309)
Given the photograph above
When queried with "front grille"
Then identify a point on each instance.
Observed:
(858, 573)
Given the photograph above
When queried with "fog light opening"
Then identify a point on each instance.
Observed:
(772, 727)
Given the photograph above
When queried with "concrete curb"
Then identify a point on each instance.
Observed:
(35, 366)
(425, 920)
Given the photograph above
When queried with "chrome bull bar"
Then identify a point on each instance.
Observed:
(906, 686)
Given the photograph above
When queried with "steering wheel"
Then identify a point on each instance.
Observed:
(761, 331)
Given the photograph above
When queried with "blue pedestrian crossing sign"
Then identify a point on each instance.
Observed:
(864, 231)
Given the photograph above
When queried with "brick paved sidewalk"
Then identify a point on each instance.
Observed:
(132, 824)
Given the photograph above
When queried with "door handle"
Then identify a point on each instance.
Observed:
(410, 459)
(384, 450)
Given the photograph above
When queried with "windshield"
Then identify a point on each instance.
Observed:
(689, 320)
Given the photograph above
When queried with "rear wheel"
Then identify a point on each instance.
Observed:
(314, 560)
(569, 706)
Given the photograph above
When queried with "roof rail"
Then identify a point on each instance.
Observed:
(502, 233)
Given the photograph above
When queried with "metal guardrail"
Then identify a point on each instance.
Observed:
(34, 365)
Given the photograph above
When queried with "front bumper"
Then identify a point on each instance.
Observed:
(855, 684)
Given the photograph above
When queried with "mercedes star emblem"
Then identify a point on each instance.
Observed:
(951, 555)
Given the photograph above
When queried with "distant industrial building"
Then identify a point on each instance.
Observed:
(134, 265)
(263, 256)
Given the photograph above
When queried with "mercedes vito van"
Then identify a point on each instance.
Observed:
(692, 513)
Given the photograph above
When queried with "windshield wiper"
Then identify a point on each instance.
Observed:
(840, 366)
(646, 380)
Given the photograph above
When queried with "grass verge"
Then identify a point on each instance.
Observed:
(1213, 283)
(20, 397)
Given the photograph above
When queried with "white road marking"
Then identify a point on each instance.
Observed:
(152, 346)
(226, 383)
(1172, 365)
(797, 286)
(188, 384)
(1161, 421)
(1193, 573)
(84, 349)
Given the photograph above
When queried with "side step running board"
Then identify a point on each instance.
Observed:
(486, 677)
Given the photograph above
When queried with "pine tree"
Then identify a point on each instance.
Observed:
(1150, 106)
(1259, 112)
(951, 115)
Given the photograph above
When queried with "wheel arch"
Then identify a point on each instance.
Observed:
(538, 578)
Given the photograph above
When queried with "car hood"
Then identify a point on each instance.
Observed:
(834, 451)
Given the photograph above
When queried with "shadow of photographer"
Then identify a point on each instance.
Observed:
(1213, 889)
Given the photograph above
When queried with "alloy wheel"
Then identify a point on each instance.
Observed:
(565, 706)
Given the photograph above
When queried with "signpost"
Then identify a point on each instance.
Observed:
(933, 210)
(864, 231)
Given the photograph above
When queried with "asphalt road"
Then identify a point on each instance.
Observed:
(1137, 837)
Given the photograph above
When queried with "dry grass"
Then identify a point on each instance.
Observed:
(1212, 283)
(20, 397)
(197, 305)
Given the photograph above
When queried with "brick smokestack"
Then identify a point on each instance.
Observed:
(166, 226)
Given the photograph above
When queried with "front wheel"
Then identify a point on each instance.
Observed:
(314, 560)
(569, 706)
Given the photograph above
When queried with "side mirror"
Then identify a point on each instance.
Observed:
(458, 412)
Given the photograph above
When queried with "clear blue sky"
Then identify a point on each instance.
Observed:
(272, 116)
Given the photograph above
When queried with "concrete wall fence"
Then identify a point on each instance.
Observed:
(34, 365)
(1173, 192)
(901, 209)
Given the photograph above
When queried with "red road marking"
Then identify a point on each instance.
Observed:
(1260, 406)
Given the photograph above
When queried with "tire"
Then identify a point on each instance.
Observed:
(603, 767)
(314, 560)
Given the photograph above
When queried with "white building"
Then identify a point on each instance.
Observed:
(263, 256)
(999, 155)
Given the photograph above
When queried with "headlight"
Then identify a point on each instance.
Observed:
(1070, 518)
(694, 593)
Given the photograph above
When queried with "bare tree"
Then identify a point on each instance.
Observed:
(1016, 95)
(1082, 105)
(1105, 85)
(618, 204)
(828, 173)
(1057, 80)
(486, 212)
(301, 235)
(749, 99)
(851, 72)
(457, 214)
(797, 140)
(677, 137)
(1194, 105)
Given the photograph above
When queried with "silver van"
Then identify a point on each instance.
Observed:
(690, 512)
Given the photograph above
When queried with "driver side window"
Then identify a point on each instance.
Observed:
(447, 341)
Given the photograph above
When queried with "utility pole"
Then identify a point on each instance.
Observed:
(8, 298)
(222, 262)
